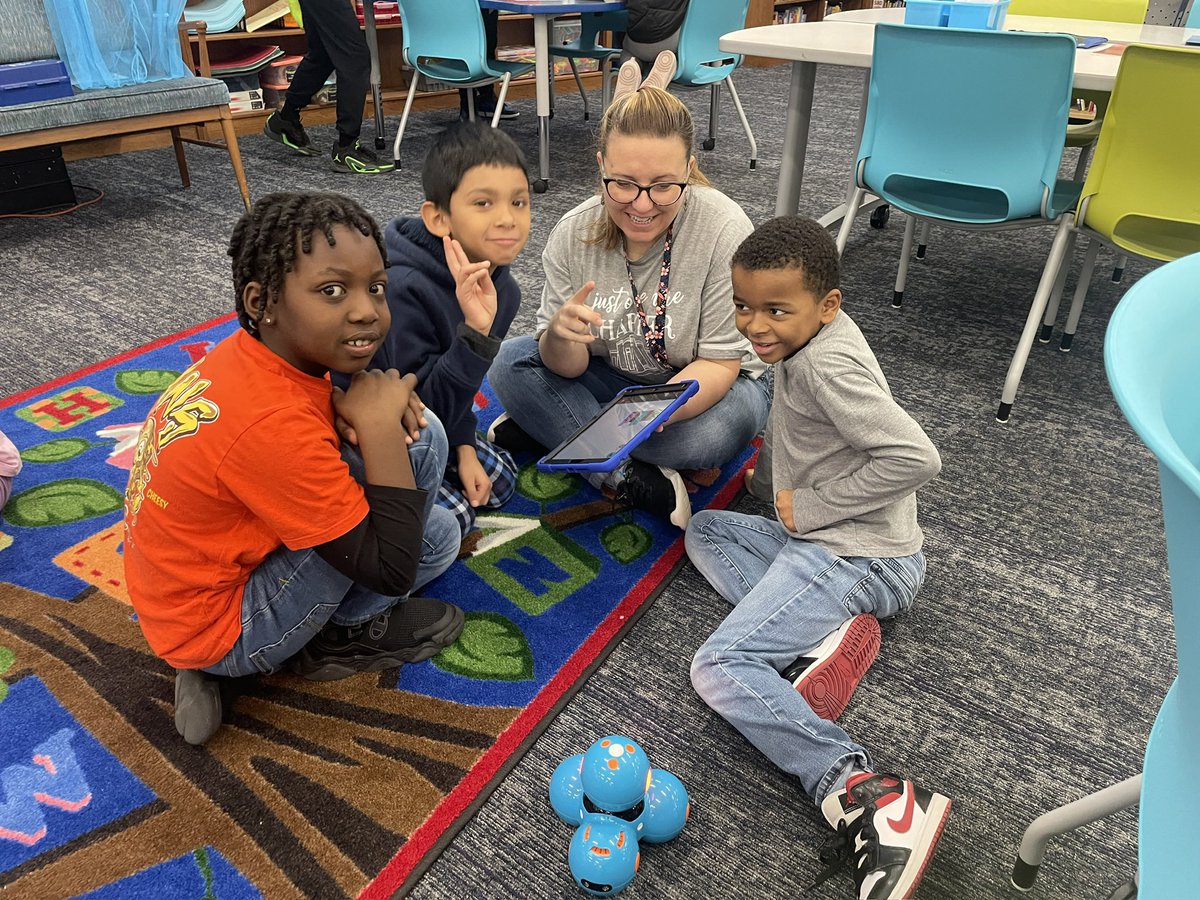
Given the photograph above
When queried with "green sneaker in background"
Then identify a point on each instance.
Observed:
(359, 160)
(290, 134)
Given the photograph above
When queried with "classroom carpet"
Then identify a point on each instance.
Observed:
(317, 789)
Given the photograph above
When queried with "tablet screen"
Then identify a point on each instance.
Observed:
(617, 425)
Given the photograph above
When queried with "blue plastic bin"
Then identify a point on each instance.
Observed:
(956, 14)
(33, 82)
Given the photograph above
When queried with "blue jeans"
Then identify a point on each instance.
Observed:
(294, 593)
(551, 408)
(788, 595)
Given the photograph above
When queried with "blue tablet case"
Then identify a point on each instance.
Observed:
(612, 462)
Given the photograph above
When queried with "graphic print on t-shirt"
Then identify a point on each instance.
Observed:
(622, 332)
(179, 413)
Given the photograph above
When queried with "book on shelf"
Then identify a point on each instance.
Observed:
(259, 15)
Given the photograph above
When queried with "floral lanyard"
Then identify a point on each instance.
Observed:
(656, 337)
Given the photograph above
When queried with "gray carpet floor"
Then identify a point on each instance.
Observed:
(1030, 669)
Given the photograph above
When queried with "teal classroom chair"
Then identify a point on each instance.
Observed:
(1153, 368)
(1193, 19)
(965, 128)
(701, 63)
(1083, 135)
(456, 55)
(588, 46)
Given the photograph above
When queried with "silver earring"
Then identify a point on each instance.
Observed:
(267, 320)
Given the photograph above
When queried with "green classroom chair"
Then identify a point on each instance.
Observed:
(1142, 193)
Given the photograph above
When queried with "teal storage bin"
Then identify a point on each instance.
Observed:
(956, 14)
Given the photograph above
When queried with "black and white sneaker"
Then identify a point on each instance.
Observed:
(887, 829)
(827, 675)
(411, 631)
(508, 435)
(657, 490)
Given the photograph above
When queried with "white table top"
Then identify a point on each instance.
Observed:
(848, 38)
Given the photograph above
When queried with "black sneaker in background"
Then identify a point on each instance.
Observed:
(485, 111)
(359, 160)
(507, 434)
(887, 829)
(291, 134)
(657, 490)
(411, 631)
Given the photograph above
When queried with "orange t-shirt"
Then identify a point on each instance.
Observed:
(237, 457)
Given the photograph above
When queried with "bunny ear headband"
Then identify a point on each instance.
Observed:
(630, 75)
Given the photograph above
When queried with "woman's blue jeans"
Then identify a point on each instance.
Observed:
(294, 593)
(551, 408)
(788, 595)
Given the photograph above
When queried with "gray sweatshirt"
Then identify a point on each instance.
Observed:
(852, 456)
(700, 317)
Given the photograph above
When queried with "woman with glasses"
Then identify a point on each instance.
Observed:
(638, 291)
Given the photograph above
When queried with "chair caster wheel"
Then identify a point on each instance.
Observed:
(880, 216)
(709, 143)
(540, 185)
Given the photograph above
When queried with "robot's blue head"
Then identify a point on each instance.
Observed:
(615, 774)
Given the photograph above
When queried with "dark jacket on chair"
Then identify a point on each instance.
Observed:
(651, 21)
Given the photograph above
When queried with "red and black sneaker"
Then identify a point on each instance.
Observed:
(887, 829)
(827, 675)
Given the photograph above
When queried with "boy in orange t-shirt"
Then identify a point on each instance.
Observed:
(253, 536)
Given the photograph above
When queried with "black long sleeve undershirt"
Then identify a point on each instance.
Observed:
(382, 551)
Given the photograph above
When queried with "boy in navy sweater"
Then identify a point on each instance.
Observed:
(452, 297)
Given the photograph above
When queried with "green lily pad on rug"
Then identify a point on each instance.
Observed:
(145, 381)
(491, 647)
(626, 541)
(61, 502)
(55, 451)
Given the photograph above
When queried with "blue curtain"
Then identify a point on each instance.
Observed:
(113, 43)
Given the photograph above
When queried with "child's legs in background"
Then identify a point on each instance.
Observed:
(294, 593)
(340, 45)
(501, 471)
(789, 594)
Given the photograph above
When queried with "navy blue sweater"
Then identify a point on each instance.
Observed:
(424, 337)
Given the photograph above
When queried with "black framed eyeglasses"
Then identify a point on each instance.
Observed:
(661, 193)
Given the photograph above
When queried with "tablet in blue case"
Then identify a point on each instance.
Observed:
(629, 418)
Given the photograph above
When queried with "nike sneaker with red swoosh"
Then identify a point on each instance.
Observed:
(887, 829)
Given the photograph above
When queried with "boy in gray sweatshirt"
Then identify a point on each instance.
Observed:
(842, 463)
